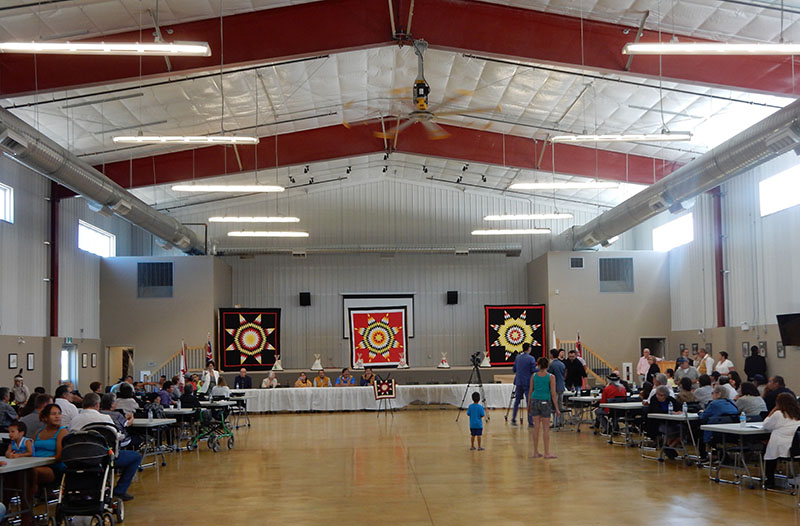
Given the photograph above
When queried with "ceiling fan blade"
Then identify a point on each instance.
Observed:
(460, 94)
(395, 130)
(465, 124)
(398, 91)
(435, 132)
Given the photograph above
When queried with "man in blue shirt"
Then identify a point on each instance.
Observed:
(524, 367)
(558, 370)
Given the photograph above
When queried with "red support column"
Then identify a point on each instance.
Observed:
(719, 263)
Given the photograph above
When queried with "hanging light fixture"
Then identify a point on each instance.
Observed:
(565, 185)
(525, 217)
(265, 233)
(185, 139)
(162, 49)
(239, 188)
(245, 219)
(624, 137)
(709, 48)
(511, 232)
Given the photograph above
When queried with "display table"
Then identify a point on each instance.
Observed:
(358, 398)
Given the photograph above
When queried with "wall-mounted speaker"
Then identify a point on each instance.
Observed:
(305, 299)
(452, 297)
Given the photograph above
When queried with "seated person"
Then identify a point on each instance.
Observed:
(243, 381)
(47, 443)
(153, 405)
(188, 399)
(730, 392)
(368, 378)
(661, 402)
(127, 461)
(176, 392)
(321, 380)
(165, 395)
(302, 381)
(77, 399)
(20, 446)
(703, 393)
(221, 389)
(760, 381)
(96, 387)
(138, 390)
(31, 420)
(645, 391)
(685, 370)
(125, 399)
(719, 409)
(671, 379)
(614, 389)
(345, 379)
(734, 380)
(108, 406)
(7, 413)
(782, 422)
(749, 402)
(775, 386)
(685, 395)
(271, 381)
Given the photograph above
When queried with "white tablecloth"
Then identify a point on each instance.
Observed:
(358, 398)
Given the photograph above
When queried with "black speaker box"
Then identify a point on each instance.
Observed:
(452, 297)
(305, 299)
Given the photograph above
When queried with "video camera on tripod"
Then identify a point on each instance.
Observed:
(475, 358)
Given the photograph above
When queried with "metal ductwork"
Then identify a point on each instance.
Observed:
(509, 250)
(769, 138)
(26, 145)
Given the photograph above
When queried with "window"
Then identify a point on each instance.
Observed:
(616, 274)
(6, 203)
(779, 192)
(154, 280)
(673, 234)
(96, 240)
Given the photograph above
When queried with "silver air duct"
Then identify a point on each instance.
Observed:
(769, 138)
(509, 250)
(27, 146)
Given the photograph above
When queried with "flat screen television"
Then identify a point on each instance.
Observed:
(789, 326)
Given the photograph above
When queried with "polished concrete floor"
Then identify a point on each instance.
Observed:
(416, 468)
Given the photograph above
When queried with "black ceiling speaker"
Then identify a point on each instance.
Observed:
(452, 297)
(305, 299)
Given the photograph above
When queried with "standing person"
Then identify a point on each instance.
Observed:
(782, 422)
(543, 393)
(685, 355)
(575, 372)
(705, 363)
(475, 412)
(724, 365)
(210, 378)
(643, 366)
(653, 370)
(524, 367)
(20, 391)
(755, 364)
(558, 370)
(243, 381)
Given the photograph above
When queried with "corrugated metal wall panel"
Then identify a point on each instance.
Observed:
(24, 258)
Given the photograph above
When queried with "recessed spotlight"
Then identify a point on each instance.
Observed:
(349, 169)
(291, 179)
(424, 169)
(459, 179)
(385, 168)
(306, 169)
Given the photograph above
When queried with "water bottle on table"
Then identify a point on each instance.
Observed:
(742, 419)
(685, 409)
(149, 415)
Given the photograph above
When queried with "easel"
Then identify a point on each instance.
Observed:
(384, 397)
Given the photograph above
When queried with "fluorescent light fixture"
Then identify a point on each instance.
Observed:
(185, 139)
(524, 217)
(243, 219)
(242, 188)
(265, 233)
(511, 232)
(194, 49)
(565, 185)
(709, 48)
(624, 137)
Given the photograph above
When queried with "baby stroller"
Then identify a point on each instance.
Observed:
(88, 481)
(213, 427)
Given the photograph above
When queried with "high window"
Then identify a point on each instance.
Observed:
(779, 192)
(673, 234)
(6, 203)
(96, 240)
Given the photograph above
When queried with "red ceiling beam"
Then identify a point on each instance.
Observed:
(338, 25)
(336, 142)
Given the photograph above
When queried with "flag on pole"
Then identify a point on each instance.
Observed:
(578, 346)
(209, 354)
(184, 368)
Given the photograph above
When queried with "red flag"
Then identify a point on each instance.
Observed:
(184, 368)
(578, 346)
(209, 354)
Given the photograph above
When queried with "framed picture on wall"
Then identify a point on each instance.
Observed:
(762, 349)
(745, 349)
(695, 348)
(708, 349)
(84, 360)
(31, 361)
(781, 350)
(94, 359)
(682, 347)
(12, 360)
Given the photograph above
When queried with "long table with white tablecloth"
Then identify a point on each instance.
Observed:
(358, 398)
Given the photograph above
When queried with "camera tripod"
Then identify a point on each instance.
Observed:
(475, 372)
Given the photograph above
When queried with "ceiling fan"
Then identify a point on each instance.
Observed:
(420, 110)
